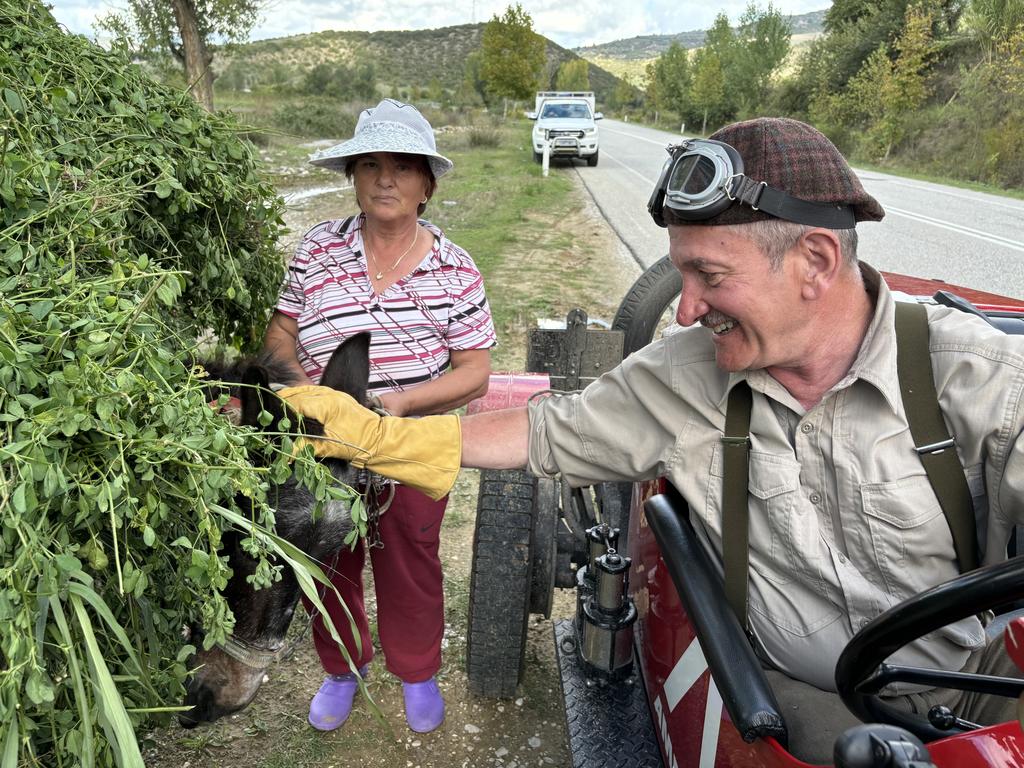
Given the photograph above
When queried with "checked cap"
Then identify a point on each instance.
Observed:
(797, 159)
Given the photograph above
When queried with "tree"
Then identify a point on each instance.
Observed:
(186, 29)
(721, 41)
(888, 88)
(512, 55)
(707, 94)
(472, 88)
(762, 44)
(573, 76)
(672, 72)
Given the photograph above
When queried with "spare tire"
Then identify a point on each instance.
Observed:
(512, 574)
(643, 307)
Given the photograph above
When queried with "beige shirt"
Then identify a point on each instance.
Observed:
(843, 521)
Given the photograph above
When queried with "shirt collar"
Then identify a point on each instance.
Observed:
(439, 255)
(876, 361)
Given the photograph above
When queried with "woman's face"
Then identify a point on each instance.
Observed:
(389, 187)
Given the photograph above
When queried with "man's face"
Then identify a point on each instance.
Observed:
(755, 314)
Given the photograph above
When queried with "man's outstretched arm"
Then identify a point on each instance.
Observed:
(496, 439)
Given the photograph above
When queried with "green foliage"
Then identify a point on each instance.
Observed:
(671, 74)
(734, 68)
(314, 118)
(573, 76)
(512, 55)
(185, 30)
(131, 223)
(762, 44)
(707, 93)
(340, 82)
(994, 21)
(885, 92)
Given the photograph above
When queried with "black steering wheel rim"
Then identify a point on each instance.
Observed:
(968, 595)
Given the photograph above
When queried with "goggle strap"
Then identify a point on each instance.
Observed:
(783, 206)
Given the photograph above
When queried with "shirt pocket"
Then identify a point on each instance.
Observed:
(776, 544)
(906, 528)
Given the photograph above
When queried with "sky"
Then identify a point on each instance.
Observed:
(570, 23)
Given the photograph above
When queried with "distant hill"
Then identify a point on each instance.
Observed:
(645, 47)
(401, 60)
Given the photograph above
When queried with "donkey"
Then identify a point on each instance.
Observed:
(226, 679)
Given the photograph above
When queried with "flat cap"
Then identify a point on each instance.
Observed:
(794, 158)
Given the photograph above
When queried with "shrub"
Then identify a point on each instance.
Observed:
(131, 222)
(315, 119)
(484, 137)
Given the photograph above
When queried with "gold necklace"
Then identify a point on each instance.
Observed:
(380, 272)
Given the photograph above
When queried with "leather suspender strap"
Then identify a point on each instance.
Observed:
(735, 510)
(928, 429)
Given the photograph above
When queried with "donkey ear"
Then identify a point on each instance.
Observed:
(257, 384)
(349, 367)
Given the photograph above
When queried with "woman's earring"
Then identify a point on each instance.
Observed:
(424, 201)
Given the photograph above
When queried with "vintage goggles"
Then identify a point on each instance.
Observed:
(703, 177)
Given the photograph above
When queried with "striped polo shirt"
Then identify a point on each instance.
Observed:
(440, 306)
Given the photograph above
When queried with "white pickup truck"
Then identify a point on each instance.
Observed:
(566, 121)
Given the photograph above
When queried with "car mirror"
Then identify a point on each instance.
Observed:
(598, 116)
(531, 115)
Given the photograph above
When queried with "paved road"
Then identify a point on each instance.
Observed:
(930, 230)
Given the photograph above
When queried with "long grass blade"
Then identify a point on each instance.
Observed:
(88, 755)
(113, 716)
(103, 611)
(10, 751)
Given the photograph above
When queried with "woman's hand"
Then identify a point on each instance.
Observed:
(394, 403)
(467, 380)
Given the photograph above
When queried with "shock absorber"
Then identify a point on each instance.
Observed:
(605, 612)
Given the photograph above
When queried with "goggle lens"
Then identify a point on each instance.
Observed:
(692, 177)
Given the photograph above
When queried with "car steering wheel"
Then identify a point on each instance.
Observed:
(861, 672)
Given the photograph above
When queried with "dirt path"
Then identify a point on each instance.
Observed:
(528, 730)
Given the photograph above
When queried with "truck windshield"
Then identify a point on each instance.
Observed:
(577, 111)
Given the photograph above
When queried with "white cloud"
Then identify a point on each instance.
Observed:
(569, 23)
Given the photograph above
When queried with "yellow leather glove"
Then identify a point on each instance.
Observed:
(422, 453)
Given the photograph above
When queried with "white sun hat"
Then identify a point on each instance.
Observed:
(391, 126)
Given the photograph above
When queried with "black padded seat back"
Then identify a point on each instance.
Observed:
(737, 673)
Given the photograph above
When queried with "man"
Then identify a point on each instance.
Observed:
(843, 522)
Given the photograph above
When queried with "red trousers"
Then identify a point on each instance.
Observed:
(410, 597)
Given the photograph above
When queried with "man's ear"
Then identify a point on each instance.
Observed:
(822, 261)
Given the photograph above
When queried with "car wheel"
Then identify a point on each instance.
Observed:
(512, 574)
(538, 157)
(592, 160)
(644, 308)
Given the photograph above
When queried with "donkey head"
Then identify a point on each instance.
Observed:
(226, 679)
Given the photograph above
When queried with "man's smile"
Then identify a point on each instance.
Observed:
(718, 323)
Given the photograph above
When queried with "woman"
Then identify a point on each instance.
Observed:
(421, 297)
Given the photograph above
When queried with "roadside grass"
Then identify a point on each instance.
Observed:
(898, 169)
(541, 255)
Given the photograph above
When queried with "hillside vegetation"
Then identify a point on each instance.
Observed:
(427, 63)
(647, 47)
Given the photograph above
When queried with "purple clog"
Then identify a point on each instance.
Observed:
(332, 704)
(424, 707)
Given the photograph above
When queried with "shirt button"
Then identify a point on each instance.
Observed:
(815, 498)
(842, 559)
(805, 428)
(863, 623)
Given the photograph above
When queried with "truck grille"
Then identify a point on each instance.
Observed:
(565, 134)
